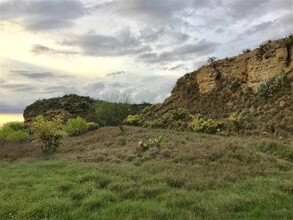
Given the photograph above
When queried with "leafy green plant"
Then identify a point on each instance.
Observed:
(18, 136)
(48, 132)
(209, 126)
(13, 132)
(237, 120)
(76, 126)
(92, 126)
(174, 119)
(107, 113)
(267, 88)
(152, 142)
(132, 120)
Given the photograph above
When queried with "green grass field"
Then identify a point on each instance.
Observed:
(102, 175)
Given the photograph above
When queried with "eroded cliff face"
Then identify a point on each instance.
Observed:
(249, 69)
(232, 85)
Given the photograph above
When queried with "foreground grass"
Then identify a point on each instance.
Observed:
(192, 177)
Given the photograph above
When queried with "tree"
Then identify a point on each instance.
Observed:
(113, 113)
(48, 132)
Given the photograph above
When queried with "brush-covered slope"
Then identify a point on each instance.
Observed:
(71, 106)
(258, 84)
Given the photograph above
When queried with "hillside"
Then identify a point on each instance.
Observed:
(257, 84)
(70, 106)
(105, 174)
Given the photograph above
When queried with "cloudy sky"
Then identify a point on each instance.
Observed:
(50, 48)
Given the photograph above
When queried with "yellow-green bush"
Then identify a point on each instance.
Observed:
(236, 120)
(76, 126)
(173, 119)
(48, 132)
(13, 132)
(209, 126)
(132, 120)
(152, 142)
(92, 126)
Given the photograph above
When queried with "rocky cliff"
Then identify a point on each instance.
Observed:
(257, 84)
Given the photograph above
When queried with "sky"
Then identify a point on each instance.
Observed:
(50, 48)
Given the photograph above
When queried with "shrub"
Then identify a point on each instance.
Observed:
(48, 132)
(18, 136)
(13, 132)
(174, 119)
(132, 120)
(237, 120)
(76, 126)
(246, 51)
(267, 88)
(15, 125)
(92, 126)
(205, 126)
(113, 114)
(152, 142)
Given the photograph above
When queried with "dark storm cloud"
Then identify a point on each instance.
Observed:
(201, 48)
(42, 15)
(122, 43)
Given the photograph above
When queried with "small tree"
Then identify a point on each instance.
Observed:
(113, 113)
(48, 132)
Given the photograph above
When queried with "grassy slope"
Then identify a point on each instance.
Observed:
(102, 175)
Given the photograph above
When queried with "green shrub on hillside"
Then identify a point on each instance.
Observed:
(267, 88)
(107, 113)
(236, 120)
(152, 142)
(15, 125)
(76, 126)
(173, 119)
(133, 120)
(13, 132)
(48, 132)
(208, 126)
(92, 126)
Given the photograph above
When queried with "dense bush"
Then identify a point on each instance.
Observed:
(205, 126)
(48, 132)
(13, 132)
(267, 88)
(133, 120)
(107, 113)
(76, 126)
(173, 119)
(92, 126)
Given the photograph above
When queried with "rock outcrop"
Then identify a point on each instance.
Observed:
(257, 84)
(68, 106)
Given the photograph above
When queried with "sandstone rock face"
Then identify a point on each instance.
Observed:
(232, 85)
(251, 69)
